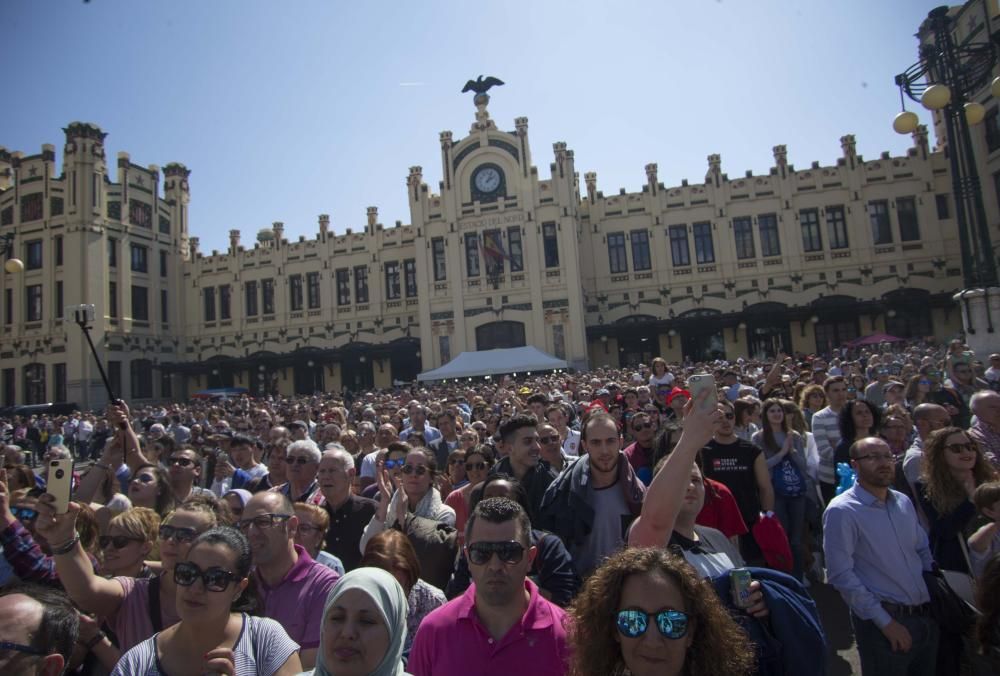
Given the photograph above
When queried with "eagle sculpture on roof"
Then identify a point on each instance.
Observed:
(481, 85)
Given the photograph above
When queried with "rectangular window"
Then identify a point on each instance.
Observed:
(59, 300)
(392, 280)
(444, 345)
(140, 214)
(361, 284)
(31, 207)
(312, 290)
(617, 258)
(410, 277)
(680, 254)
(140, 303)
(33, 254)
(836, 227)
(438, 259)
(878, 215)
(295, 292)
(991, 127)
(943, 206)
(115, 376)
(343, 286)
(812, 239)
(164, 225)
(59, 376)
(224, 302)
(9, 385)
(906, 212)
(33, 293)
(112, 299)
(163, 263)
(140, 258)
(550, 245)
(515, 249)
(743, 234)
(267, 296)
(59, 249)
(164, 307)
(8, 306)
(250, 294)
(558, 341)
(166, 385)
(770, 243)
(112, 252)
(640, 250)
(704, 247)
(141, 379)
(471, 254)
(208, 293)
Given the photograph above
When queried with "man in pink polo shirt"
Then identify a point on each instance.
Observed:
(291, 586)
(501, 625)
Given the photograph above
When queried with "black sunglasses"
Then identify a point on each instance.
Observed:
(480, 553)
(632, 622)
(472, 466)
(119, 541)
(177, 533)
(214, 579)
(420, 470)
(182, 461)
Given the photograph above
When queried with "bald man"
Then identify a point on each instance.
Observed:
(38, 627)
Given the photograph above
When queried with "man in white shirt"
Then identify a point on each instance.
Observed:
(993, 372)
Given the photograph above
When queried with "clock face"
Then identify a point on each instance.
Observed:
(487, 179)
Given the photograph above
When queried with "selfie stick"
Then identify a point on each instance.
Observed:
(80, 317)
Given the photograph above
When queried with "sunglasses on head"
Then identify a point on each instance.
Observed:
(119, 541)
(480, 553)
(177, 533)
(214, 579)
(632, 622)
(24, 513)
(419, 470)
(393, 464)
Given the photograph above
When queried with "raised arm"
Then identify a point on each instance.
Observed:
(666, 492)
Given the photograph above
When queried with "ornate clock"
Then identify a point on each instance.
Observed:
(488, 182)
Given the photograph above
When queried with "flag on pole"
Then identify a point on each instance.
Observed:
(493, 247)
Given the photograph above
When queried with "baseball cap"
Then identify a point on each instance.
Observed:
(891, 384)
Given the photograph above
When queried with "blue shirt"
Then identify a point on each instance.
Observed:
(875, 551)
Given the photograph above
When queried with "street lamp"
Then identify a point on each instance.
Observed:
(946, 79)
(11, 265)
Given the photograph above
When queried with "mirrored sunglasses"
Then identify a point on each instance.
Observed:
(632, 622)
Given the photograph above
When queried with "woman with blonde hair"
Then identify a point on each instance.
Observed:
(646, 612)
(811, 400)
(131, 539)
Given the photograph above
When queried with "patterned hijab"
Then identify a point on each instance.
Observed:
(388, 596)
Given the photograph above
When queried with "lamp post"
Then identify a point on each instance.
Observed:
(946, 79)
(11, 265)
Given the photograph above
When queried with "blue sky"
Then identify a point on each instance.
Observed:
(285, 110)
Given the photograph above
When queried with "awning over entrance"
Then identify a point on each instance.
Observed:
(495, 362)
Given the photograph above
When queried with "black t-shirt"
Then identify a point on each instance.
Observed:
(732, 465)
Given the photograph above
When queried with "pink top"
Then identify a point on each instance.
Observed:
(452, 641)
(131, 622)
(459, 501)
(297, 601)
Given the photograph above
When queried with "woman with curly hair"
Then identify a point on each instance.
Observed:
(858, 419)
(812, 399)
(954, 466)
(645, 611)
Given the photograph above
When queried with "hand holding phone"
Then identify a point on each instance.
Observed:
(60, 483)
(701, 382)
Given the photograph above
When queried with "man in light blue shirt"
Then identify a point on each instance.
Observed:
(876, 552)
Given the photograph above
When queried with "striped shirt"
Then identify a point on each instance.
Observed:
(826, 430)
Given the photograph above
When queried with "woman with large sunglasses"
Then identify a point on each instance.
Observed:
(478, 462)
(645, 612)
(134, 608)
(214, 633)
(131, 539)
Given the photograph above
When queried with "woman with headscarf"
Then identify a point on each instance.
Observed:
(364, 626)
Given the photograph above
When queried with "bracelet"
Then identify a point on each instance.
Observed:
(92, 643)
(66, 547)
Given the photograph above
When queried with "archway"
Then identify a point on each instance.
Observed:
(639, 343)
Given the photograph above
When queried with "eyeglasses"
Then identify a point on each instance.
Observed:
(20, 648)
(119, 541)
(181, 461)
(393, 464)
(263, 521)
(24, 513)
(632, 623)
(177, 533)
(961, 448)
(549, 440)
(480, 553)
(474, 466)
(309, 528)
(298, 460)
(144, 478)
(214, 579)
(877, 457)
(419, 470)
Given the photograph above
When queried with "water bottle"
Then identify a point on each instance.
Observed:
(845, 476)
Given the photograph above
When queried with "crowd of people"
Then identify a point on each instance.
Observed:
(537, 525)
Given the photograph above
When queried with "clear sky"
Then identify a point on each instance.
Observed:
(286, 110)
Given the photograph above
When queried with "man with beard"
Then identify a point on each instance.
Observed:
(501, 624)
(876, 553)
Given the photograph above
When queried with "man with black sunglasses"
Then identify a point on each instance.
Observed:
(38, 629)
(501, 624)
(184, 468)
(640, 451)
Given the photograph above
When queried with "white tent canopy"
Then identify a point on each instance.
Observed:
(495, 362)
